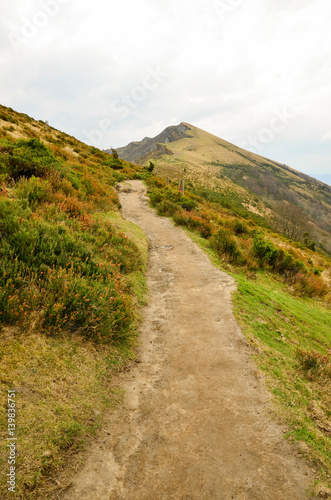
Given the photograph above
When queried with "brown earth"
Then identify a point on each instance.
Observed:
(196, 421)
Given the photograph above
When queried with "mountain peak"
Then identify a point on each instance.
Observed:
(136, 151)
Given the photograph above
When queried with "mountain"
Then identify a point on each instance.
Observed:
(136, 151)
(290, 201)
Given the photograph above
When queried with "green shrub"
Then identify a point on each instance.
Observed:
(27, 158)
(34, 190)
(194, 221)
(182, 218)
(156, 182)
(287, 263)
(116, 164)
(224, 243)
(150, 167)
(175, 197)
(240, 227)
(120, 177)
(166, 207)
(73, 278)
(96, 152)
(188, 204)
(278, 259)
(156, 197)
(265, 251)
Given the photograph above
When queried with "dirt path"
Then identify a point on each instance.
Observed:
(195, 422)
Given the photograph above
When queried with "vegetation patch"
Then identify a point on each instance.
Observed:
(72, 280)
(292, 341)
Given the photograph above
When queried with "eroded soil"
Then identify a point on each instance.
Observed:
(196, 422)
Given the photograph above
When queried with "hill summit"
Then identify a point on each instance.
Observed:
(136, 151)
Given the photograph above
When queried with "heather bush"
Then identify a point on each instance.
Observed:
(309, 285)
(278, 259)
(175, 197)
(115, 164)
(34, 190)
(286, 263)
(265, 251)
(316, 366)
(225, 244)
(73, 277)
(156, 197)
(193, 221)
(240, 227)
(166, 207)
(27, 158)
(182, 218)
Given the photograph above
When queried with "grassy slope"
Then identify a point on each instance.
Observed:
(256, 184)
(290, 332)
(71, 283)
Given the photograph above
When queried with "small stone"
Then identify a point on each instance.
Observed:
(303, 447)
(48, 454)
(324, 492)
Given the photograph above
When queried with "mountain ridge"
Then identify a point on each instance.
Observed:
(138, 149)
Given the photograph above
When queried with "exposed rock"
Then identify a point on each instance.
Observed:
(320, 417)
(303, 447)
(136, 151)
(324, 492)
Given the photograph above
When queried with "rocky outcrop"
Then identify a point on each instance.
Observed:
(137, 151)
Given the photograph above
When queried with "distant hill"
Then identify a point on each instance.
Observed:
(290, 201)
(136, 151)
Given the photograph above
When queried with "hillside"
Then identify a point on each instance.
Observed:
(288, 200)
(71, 283)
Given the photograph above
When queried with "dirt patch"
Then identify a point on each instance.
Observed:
(196, 421)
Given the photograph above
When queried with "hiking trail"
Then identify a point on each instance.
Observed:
(196, 421)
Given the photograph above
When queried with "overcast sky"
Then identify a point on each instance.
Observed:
(254, 72)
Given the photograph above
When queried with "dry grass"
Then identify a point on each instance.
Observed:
(62, 388)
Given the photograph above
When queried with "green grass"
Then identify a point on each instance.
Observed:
(279, 326)
(134, 233)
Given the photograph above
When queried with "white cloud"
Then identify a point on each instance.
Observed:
(326, 137)
(228, 74)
